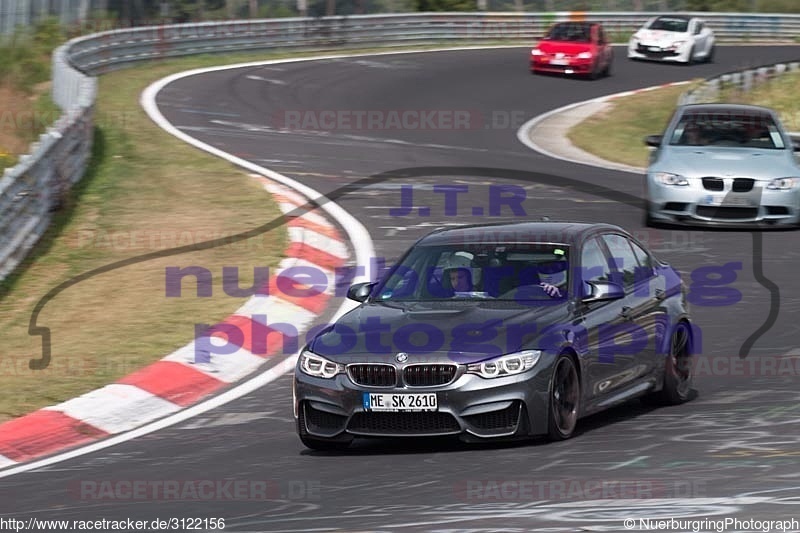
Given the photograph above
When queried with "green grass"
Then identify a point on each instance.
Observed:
(617, 134)
(142, 183)
(779, 93)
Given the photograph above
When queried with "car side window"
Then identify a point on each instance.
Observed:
(698, 27)
(623, 258)
(601, 36)
(594, 263)
(645, 261)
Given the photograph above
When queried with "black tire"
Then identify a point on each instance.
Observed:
(649, 221)
(595, 73)
(678, 366)
(564, 400)
(690, 60)
(710, 56)
(315, 443)
(607, 70)
(324, 445)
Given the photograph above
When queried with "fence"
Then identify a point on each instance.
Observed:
(743, 80)
(32, 189)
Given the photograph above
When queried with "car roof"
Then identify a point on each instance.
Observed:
(716, 108)
(674, 17)
(576, 23)
(557, 232)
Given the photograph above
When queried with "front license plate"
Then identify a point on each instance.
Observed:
(721, 200)
(400, 402)
(559, 62)
(655, 49)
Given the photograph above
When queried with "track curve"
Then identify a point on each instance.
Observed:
(731, 452)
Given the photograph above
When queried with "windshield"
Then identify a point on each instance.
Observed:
(724, 128)
(525, 272)
(575, 32)
(670, 24)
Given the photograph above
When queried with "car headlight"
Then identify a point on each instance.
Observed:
(536, 52)
(319, 367)
(665, 178)
(783, 184)
(507, 365)
(678, 44)
(585, 55)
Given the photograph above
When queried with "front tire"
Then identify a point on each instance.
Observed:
(564, 401)
(710, 56)
(315, 443)
(690, 59)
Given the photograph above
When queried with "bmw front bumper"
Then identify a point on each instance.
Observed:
(693, 205)
(470, 406)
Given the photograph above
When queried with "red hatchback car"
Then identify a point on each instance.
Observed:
(579, 48)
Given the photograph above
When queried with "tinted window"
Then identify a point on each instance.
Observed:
(623, 259)
(510, 272)
(644, 260)
(594, 265)
(570, 31)
(670, 24)
(727, 128)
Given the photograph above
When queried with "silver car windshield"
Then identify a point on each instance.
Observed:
(480, 271)
(670, 24)
(731, 129)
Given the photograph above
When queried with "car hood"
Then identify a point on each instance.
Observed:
(565, 47)
(660, 37)
(464, 331)
(698, 161)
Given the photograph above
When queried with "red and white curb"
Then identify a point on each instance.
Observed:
(526, 134)
(179, 380)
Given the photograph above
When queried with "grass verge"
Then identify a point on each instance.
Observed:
(617, 133)
(144, 191)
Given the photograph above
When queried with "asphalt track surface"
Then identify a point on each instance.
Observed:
(731, 452)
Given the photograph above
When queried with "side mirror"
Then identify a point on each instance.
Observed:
(360, 291)
(603, 291)
(796, 144)
(653, 140)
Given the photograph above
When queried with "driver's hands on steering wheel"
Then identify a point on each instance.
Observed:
(550, 290)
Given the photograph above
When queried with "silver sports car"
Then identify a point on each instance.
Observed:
(725, 165)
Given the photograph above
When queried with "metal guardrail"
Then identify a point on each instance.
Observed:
(32, 189)
(743, 80)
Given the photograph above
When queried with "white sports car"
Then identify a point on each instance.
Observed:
(677, 38)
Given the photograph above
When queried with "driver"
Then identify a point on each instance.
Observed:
(553, 278)
(459, 273)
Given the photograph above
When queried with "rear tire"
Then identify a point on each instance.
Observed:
(564, 401)
(677, 387)
(678, 370)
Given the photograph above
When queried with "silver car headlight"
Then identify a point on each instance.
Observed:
(783, 184)
(319, 367)
(677, 44)
(507, 365)
(666, 178)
